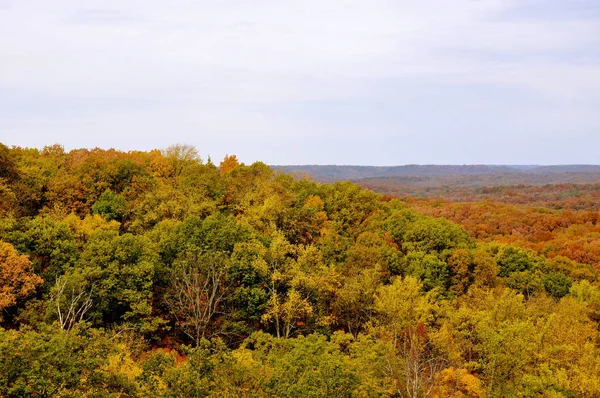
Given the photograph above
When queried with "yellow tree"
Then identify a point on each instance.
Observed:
(287, 312)
(17, 279)
(404, 311)
(229, 163)
(181, 157)
(287, 305)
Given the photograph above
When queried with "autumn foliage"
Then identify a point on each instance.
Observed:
(159, 274)
(17, 280)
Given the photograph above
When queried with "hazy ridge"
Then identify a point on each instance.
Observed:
(504, 174)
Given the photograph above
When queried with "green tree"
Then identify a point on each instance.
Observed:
(49, 243)
(53, 363)
(120, 271)
(111, 206)
(304, 367)
(557, 284)
(435, 235)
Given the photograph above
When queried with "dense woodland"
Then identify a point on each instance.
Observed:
(571, 196)
(161, 274)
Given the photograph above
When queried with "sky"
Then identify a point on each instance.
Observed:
(370, 82)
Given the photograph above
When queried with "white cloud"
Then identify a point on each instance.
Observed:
(119, 46)
(213, 65)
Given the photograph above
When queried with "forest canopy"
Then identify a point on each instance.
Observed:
(161, 274)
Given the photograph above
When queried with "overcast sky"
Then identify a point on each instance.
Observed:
(378, 82)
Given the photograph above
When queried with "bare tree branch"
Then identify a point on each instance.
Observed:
(71, 306)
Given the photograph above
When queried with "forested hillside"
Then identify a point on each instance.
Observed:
(161, 274)
(572, 196)
(340, 173)
(438, 175)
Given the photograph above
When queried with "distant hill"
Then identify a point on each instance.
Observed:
(517, 174)
(574, 168)
(574, 187)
